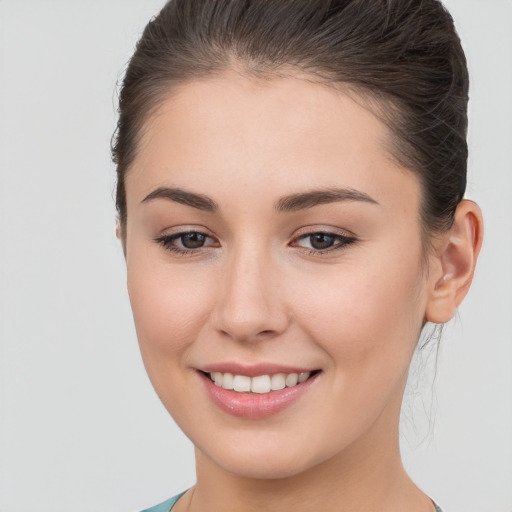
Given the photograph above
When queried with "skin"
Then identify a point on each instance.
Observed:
(255, 293)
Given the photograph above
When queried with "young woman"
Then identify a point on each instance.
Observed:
(290, 194)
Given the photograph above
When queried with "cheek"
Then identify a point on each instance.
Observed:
(367, 315)
(169, 306)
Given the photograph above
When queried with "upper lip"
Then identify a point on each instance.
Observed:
(252, 370)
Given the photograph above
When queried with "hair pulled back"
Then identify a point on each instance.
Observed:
(403, 55)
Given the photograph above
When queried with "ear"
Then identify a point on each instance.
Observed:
(121, 235)
(455, 260)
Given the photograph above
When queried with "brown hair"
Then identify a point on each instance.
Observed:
(403, 55)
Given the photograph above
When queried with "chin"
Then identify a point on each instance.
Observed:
(270, 459)
(264, 467)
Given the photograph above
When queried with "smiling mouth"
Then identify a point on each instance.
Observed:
(260, 384)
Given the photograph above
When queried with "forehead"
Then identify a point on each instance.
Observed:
(284, 133)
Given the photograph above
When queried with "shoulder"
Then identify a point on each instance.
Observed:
(166, 505)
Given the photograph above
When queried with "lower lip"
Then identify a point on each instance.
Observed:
(255, 405)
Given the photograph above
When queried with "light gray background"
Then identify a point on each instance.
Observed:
(80, 426)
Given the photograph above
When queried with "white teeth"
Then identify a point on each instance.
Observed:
(260, 384)
(278, 381)
(241, 383)
(227, 381)
(303, 376)
(291, 380)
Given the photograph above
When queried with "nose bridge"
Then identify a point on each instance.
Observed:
(249, 305)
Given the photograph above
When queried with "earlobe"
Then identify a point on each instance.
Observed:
(457, 255)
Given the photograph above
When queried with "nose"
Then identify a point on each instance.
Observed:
(250, 304)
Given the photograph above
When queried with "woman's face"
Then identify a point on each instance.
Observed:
(270, 232)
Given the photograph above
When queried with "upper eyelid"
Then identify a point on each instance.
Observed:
(309, 232)
(169, 233)
(334, 234)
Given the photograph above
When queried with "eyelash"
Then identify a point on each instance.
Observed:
(167, 242)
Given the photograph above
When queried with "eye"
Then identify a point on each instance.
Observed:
(321, 242)
(186, 242)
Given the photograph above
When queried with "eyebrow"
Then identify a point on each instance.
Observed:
(291, 203)
(178, 195)
(312, 198)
